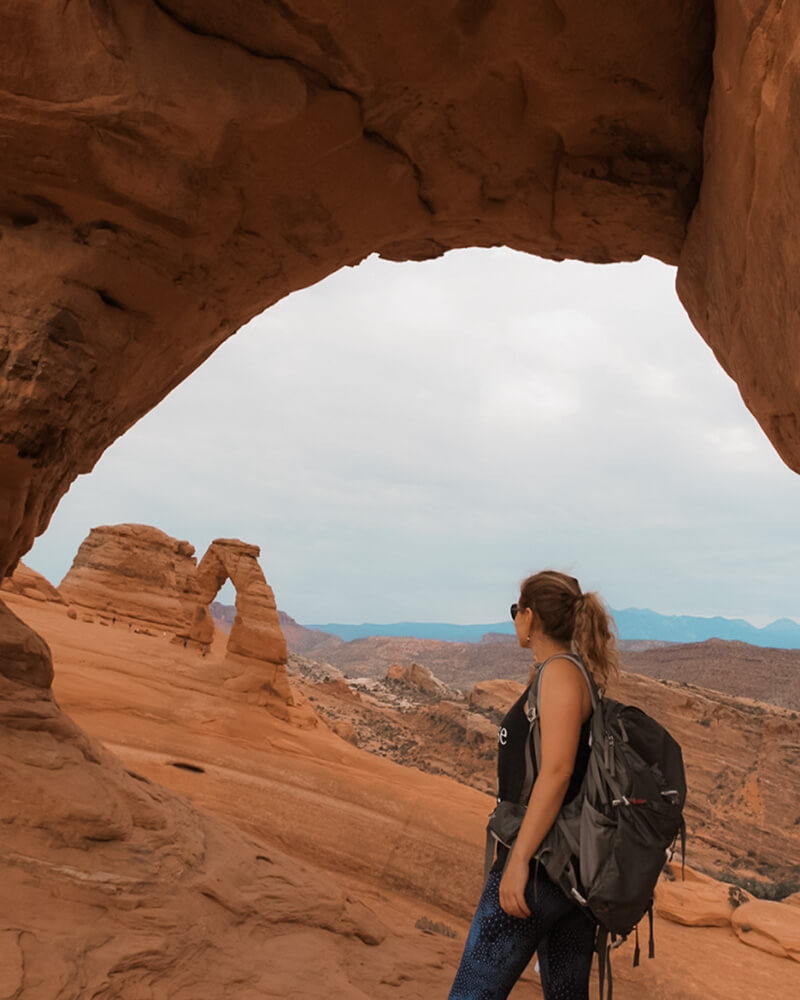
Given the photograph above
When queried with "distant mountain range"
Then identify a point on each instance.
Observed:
(632, 623)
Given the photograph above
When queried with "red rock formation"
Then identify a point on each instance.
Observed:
(25, 655)
(198, 910)
(256, 643)
(697, 900)
(738, 276)
(136, 573)
(772, 927)
(213, 158)
(415, 675)
(28, 583)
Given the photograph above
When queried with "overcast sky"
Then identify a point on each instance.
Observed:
(407, 441)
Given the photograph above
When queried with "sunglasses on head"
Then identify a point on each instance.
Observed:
(514, 610)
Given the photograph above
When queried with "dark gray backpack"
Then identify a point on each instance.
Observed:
(623, 823)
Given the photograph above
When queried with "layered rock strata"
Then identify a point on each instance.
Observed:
(134, 572)
(28, 583)
(256, 641)
(213, 158)
(739, 267)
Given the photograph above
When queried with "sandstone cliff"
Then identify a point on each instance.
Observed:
(133, 572)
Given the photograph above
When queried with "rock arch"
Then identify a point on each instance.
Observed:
(211, 158)
(256, 647)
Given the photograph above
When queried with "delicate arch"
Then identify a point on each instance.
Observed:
(256, 643)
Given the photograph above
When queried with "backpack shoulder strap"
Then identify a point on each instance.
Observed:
(534, 692)
(533, 701)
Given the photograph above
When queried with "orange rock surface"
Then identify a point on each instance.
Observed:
(415, 675)
(136, 573)
(696, 900)
(358, 848)
(772, 927)
(28, 583)
(738, 275)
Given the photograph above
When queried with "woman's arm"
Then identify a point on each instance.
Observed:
(563, 704)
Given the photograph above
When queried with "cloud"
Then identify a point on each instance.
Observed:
(408, 441)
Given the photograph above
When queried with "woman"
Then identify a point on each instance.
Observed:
(521, 911)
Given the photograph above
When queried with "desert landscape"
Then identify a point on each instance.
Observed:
(211, 839)
(189, 814)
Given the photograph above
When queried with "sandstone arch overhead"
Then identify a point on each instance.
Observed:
(172, 168)
(256, 646)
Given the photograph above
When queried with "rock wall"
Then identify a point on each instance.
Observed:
(134, 572)
(256, 642)
(739, 267)
(28, 583)
(171, 169)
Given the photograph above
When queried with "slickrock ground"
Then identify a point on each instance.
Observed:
(188, 909)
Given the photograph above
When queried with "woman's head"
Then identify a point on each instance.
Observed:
(564, 613)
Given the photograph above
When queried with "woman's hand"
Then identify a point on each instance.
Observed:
(512, 888)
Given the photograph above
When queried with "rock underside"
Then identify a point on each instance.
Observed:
(171, 169)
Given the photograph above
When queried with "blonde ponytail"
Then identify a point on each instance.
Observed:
(573, 617)
(593, 639)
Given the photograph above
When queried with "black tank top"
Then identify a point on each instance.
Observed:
(513, 732)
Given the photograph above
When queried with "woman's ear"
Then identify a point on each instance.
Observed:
(532, 623)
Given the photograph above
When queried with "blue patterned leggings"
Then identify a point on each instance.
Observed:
(499, 946)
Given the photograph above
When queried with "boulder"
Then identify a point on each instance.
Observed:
(772, 927)
(471, 728)
(345, 730)
(417, 676)
(696, 900)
